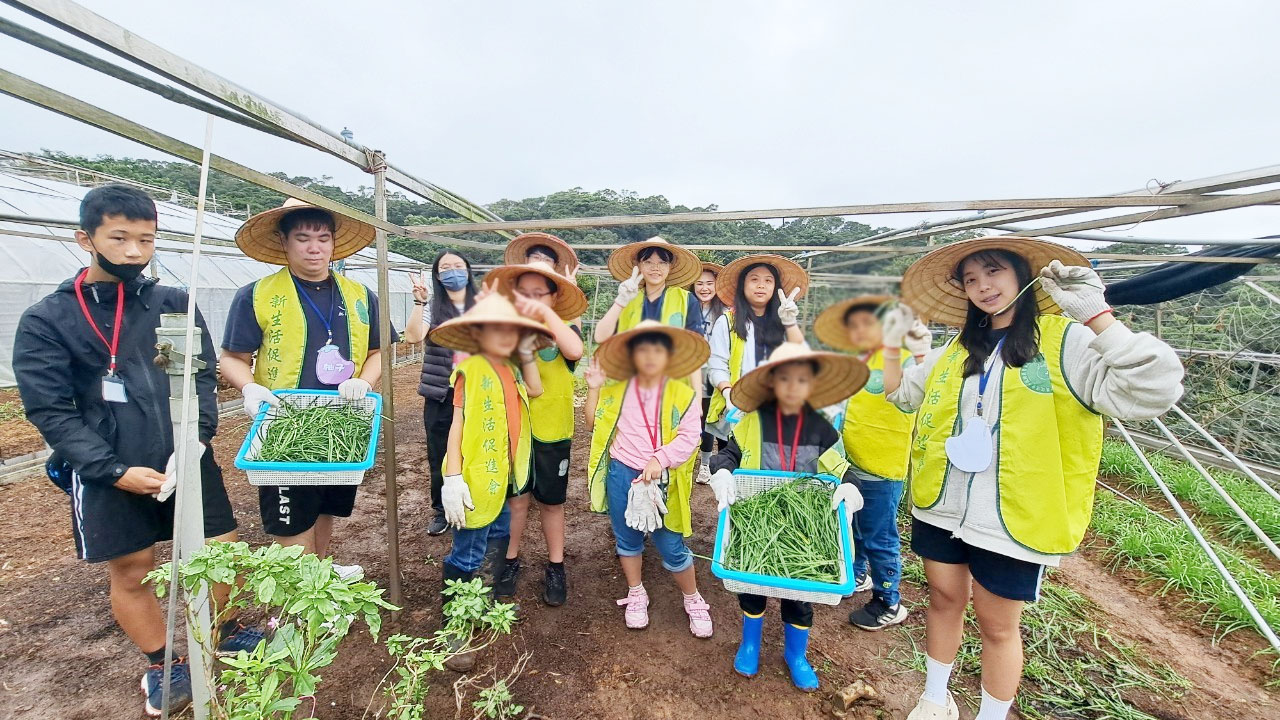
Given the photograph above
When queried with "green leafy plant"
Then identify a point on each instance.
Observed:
(497, 703)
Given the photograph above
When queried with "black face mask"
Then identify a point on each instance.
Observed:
(125, 272)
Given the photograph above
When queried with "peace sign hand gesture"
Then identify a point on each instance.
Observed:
(788, 311)
(421, 292)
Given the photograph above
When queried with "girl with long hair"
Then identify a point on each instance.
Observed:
(712, 307)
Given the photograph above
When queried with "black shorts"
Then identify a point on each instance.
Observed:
(108, 522)
(1000, 575)
(550, 481)
(292, 510)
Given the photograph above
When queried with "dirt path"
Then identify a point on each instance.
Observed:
(61, 655)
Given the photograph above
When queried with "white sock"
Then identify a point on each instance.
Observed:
(636, 588)
(937, 675)
(993, 709)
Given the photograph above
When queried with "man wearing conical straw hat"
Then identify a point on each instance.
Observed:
(302, 327)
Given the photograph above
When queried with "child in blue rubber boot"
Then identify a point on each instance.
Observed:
(781, 430)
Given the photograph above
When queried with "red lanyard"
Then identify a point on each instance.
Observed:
(654, 429)
(114, 345)
(789, 465)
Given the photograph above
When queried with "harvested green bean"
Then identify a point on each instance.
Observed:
(316, 434)
(786, 531)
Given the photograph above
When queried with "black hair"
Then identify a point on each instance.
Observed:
(111, 200)
(307, 219)
(1022, 339)
(544, 249)
(650, 338)
(860, 307)
(441, 307)
(662, 253)
(774, 333)
(717, 305)
(813, 364)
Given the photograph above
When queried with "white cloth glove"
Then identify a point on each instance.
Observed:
(919, 339)
(1077, 289)
(849, 494)
(354, 389)
(526, 347)
(171, 475)
(639, 508)
(254, 395)
(895, 325)
(731, 412)
(628, 289)
(725, 489)
(659, 498)
(788, 311)
(456, 498)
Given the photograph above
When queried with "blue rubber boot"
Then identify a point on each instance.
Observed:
(795, 646)
(747, 661)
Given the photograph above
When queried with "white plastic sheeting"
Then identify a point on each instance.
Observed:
(31, 268)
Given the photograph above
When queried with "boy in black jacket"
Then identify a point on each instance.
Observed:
(83, 362)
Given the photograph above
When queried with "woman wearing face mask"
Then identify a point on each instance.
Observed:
(761, 292)
(1008, 434)
(704, 291)
(452, 293)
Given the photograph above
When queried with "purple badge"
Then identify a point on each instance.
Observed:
(331, 367)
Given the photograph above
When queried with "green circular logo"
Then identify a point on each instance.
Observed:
(677, 320)
(548, 353)
(362, 311)
(875, 383)
(1035, 375)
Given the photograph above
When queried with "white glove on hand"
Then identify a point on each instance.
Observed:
(171, 475)
(919, 339)
(788, 311)
(1078, 290)
(526, 347)
(731, 412)
(456, 498)
(254, 395)
(849, 494)
(354, 389)
(726, 490)
(628, 289)
(895, 325)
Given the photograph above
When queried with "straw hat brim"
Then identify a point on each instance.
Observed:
(792, 275)
(571, 302)
(685, 266)
(928, 286)
(829, 325)
(839, 377)
(689, 351)
(258, 237)
(713, 268)
(517, 251)
(455, 333)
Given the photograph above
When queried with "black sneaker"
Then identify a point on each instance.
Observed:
(243, 638)
(179, 688)
(504, 578)
(438, 525)
(877, 615)
(555, 588)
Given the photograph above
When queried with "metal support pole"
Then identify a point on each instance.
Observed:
(378, 163)
(1240, 421)
(1240, 464)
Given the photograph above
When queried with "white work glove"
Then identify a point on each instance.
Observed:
(848, 494)
(526, 347)
(639, 508)
(254, 395)
(354, 389)
(1077, 289)
(788, 311)
(171, 475)
(919, 339)
(628, 289)
(456, 498)
(731, 412)
(659, 499)
(895, 325)
(726, 490)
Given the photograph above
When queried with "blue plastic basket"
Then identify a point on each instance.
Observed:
(292, 473)
(750, 482)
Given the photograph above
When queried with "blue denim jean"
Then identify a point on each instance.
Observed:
(875, 532)
(629, 542)
(469, 544)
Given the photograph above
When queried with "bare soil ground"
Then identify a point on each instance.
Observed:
(17, 436)
(62, 656)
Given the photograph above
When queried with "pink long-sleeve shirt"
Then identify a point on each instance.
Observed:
(632, 443)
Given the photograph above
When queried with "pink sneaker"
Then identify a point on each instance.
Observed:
(699, 618)
(637, 602)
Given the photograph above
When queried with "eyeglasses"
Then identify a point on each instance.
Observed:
(655, 264)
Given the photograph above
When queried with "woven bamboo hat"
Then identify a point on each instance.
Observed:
(791, 275)
(685, 266)
(259, 236)
(930, 288)
(571, 302)
(689, 351)
(829, 325)
(517, 252)
(492, 309)
(839, 377)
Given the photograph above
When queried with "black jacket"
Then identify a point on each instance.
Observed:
(59, 363)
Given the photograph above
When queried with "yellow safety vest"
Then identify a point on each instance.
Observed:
(552, 411)
(751, 441)
(1047, 444)
(278, 309)
(675, 302)
(737, 347)
(490, 469)
(677, 399)
(877, 435)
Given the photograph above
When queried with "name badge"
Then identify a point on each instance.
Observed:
(113, 390)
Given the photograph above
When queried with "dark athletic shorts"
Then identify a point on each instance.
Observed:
(1001, 575)
(108, 522)
(550, 483)
(292, 510)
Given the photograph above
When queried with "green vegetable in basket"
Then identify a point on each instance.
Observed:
(337, 433)
(786, 531)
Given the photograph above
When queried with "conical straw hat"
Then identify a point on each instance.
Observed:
(494, 309)
(839, 377)
(571, 302)
(829, 325)
(517, 252)
(791, 275)
(689, 351)
(685, 266)
(259, 236)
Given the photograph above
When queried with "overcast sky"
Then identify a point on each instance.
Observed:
(741, 104)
